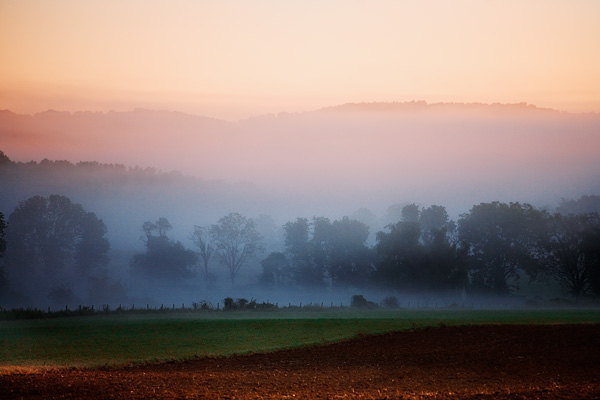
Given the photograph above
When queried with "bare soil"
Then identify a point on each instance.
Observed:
(478, 362)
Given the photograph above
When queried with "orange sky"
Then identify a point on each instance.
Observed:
(235, 58)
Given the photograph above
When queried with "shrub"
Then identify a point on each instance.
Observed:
(229, 303)
(391, 302)
(359, 301)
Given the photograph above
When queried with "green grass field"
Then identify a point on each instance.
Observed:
(123, 339)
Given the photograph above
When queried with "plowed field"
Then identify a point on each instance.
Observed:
(495, 362)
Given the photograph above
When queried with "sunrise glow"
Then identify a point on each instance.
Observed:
(235, 59)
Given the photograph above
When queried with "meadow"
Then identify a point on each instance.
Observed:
(114, 339)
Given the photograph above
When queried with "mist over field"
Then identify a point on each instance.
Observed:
(353, 160)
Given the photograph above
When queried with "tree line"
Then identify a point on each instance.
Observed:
(50, 243)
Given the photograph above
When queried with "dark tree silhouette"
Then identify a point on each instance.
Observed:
(416, 253)
(4, 160)
(236, 241)
(320, 246)
(3, 280)
(275, 271)
(164, 258)
(503, 238)
(52, 239)
(573, 255)
(349, 260)
(158, 228)
(91, 252)
(410, 213)
(2, 234)
(322, 249)
(432, 221)
(299, 249)
(401, 255)
(54, 231)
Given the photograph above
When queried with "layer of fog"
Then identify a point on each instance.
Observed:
(326, 163)
(338, 160)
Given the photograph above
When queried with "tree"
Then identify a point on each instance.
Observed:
(573, 256)
(299, 249)
(392, 215)
(202, 240)
(432, 221)
(236, 241)
(368, 218)
(445, 266)
(271, 233)
(53, 240)
(2, 234)
(584, 205)
(401, 255)
(408, 264)
(410, 213)
(349, 259)
(92, 248)
(275, 271)
(3, 280)
(164, 258)
(336, 250)
(4, 160)
(54, 231)
(502, 238)
(320, 247)
(160, 227)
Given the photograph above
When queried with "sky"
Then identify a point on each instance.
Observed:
(233, 59)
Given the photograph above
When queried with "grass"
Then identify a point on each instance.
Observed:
(121, 339)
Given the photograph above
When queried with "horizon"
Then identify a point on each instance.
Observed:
(331, 107)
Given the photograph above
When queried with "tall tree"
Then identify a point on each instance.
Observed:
(400, 254)
(236, 241)
(432, 220)
(410, 213)
(299, 249)
(573, 255)
(320, 246)
(408, 264)
(202, 240)
(50, 236)
(350, 261)
(2, 234)
(503, 239)
(3, 280)
(91, 252)
(275, 271)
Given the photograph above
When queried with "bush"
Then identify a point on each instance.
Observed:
(359, 301)
(229, 303)
(390, 302)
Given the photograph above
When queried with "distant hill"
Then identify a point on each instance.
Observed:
(424, 107)
(340, 158)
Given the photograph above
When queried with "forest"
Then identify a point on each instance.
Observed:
(55, 251)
